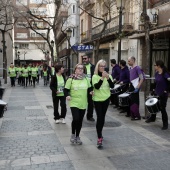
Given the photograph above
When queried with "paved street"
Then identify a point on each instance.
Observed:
(30, 140)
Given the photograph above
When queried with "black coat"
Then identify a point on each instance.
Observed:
(54, 84)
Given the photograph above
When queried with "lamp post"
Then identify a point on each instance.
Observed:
(120, 7)
(18, 53)
(52, 51)
(68, 32)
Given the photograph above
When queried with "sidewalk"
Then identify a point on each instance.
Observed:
(30, 140)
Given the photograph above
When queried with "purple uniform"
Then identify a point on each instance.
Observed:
(124, 75)
(116, 72)
(161, 83)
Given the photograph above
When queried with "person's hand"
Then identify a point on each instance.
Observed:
(68, 98)
(105, 75)
(153, 93)
(121, 83)
(57, 92)
(136, 90)
(92, 93)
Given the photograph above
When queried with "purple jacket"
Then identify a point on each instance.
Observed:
(124, 75)
(116, 72)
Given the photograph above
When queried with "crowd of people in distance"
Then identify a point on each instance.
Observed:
(29, 74)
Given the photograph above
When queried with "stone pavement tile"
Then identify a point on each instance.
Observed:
(4, 163)
(25, 125)
(58, 158)
(33, 107)
(36, 117)
(41, 132)
(78, 152)
(40, 160)
(16, 107)
(155, 160)
(65, 165)
(23, 113)
(93, 164)
(12, 134)
(24, 103)
(29, 146)
(119, 137)
(21, 162)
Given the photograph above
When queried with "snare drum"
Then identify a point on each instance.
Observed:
(152, 105)
(117, 88)
(124, 99)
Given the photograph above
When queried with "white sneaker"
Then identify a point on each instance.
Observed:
(63, 121)
(57, 121)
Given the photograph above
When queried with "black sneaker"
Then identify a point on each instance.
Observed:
(149, 120)
(91, 119)
(164, 128)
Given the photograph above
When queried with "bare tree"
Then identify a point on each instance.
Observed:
(6, 24)
(51, 23)
(103, 20)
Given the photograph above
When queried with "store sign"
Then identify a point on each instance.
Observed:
(82, 47)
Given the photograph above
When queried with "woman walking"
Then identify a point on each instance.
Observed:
(45, 76)
(161, 90)
(102, 82)
(57, 86)
(25, 73)
(76, 89)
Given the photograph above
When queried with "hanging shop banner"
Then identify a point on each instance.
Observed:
(82, 47)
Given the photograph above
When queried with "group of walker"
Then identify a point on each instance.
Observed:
(91, 86)
(28, 74)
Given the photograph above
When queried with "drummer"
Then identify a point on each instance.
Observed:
(161, 90)
(124, 80)
(136, 80)
(115, 75)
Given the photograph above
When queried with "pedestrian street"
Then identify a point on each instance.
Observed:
(30, 139)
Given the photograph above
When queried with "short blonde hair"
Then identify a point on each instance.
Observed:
(97, 66)
(84, 68)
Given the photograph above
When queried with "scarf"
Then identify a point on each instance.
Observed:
(77, 77)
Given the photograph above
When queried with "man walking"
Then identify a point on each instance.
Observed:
(90, 71)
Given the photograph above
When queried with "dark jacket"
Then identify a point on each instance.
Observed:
(54, 84)
(124, 75)
(92, 69)
(116, 72)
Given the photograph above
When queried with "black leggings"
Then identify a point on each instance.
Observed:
(62, 100)
(101, 109)
(163, 102)
(78, 115)
(25, 81)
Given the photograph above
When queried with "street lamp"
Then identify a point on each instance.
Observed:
(120, 7)
(52, 51)
(18, 57)
(68, 32)
(52, 43)
(16, 49)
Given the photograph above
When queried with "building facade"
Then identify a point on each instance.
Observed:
(159, 34)
(67, 55)
(29, 46)
(100, 14)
